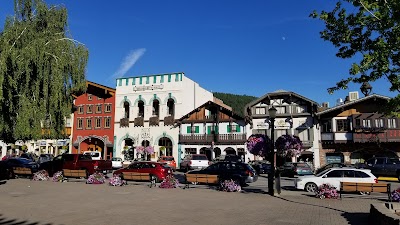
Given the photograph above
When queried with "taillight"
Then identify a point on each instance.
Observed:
(376, 180)
(209, 162)
(248, 172)
(96, 165)
(190, 163)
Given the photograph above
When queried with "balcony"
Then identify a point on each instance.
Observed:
(169, 120)
(327, 136)
(385, 136)
(124, 122)
(208, 138)
(154, 121)
(139, 121)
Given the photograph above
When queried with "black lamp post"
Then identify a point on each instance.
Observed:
(271, 176)
(366, 88)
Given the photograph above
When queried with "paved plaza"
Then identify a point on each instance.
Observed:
(26, 202)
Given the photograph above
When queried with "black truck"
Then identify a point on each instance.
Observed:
(384, 166)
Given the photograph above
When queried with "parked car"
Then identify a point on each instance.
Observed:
(169, 160)
(195, 161)
(291, 169)
(5, 171)
(45, 157)
(155, 169)
(117, 162)
(261, 166)
(334, 176)
(231, 157)
(226, 170)
(330, 165)
(20, 162)
(384, 166)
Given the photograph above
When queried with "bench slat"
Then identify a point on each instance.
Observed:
(74, 173)
(135, 176)
(364, 187)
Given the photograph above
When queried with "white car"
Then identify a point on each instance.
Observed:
(117, 162)
(334, 176)
(95, 155)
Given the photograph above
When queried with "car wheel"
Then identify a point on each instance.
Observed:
(311, 187)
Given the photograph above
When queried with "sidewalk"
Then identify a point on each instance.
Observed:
(45, 202)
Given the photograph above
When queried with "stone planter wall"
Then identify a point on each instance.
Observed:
(379, 214)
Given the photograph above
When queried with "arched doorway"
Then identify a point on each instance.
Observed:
(207, 152)
(217, 152)
(92, 144)
(167, 144)
(129, 149)
(146, 143)
(230, 151)
(241, 153)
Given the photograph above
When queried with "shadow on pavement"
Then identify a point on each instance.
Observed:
(302, 203)
(356, 218)
(253, 190)
(3, 182)
(7, 221)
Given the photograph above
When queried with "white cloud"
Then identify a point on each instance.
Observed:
(129, 61)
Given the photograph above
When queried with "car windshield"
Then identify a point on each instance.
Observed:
(168, 158)
(95, 154)
(302, 165)
(199, 157)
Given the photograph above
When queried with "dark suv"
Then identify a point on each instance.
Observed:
(226, 170)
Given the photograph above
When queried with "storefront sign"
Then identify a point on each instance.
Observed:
(261, 125)
(42, 143)
(282, 124)
(150, 87)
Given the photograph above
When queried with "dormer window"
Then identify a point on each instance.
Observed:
(280, 109)
(260, 111)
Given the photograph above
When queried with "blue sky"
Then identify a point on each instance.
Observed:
(241, 47)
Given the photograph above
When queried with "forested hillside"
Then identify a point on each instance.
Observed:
(237, 102)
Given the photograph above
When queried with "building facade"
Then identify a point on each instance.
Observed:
(146, 108)
(295, 116)
(356, 130)
(212, 129)
(93, 128)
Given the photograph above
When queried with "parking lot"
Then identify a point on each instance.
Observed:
(44, 202)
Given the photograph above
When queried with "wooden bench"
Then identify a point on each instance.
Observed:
(139, 177)
(365, 187)
(200, 178)
(22, 171)
(75, 173)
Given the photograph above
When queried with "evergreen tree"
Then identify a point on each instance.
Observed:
(40, 66)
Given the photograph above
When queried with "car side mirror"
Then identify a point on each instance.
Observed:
(324, 176)
(369, 164)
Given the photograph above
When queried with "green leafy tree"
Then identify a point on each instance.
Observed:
(368, 31)
(40, 66)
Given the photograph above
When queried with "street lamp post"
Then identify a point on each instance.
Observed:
(271, 176)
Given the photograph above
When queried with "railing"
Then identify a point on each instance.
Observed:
(208, 138)
(154, 121)
(169, 120)
(124, 122)
(386, 136)
(139, 121)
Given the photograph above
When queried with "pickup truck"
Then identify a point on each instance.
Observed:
(75, 162)
(384, 166)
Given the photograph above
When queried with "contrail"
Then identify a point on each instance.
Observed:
(128, 62)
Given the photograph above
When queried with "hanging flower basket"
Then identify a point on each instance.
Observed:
(230, 186)
(96, 178)
(169, 182)
(258, 144)
(116, 180)
(58, 177)
(140, 149)
(149, 150)
(41, 175)
(288, 145)
(327, 191)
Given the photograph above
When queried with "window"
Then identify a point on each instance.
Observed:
(68, 122)
(98, 122)
(89, 109)
(378, 122)
(358, 123)
(212, 129)
(342, 125)
(141, 108)
(108, 108)
(301, 109)
(280, 109)
(366, 123)
(126, 110)
(348, 173)
(80, 123)
(107, 122)
(193, 129)
(391, 123)
(98, 108)
(156, 107)
(233, 128)
(88, 123)
(360, 174)
(260, 110)
(80, 109)
(335, 173)
(89, 97)
(327, 126)
(380, 161)
(189, 151)
(171, 107)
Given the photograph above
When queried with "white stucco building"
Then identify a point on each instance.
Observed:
(145, 111)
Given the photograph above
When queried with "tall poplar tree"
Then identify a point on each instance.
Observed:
(367, 31)
(40, 66)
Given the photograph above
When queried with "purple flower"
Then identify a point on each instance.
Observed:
(289, 145)
(258, 144)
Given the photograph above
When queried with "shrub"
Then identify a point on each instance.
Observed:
(169, 182)
(327, 191)
(230, 186)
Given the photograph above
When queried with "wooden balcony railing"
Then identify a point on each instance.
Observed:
(139, 121)
(389, 135)
(169, 120)
(208, 138)
(154, 121)
(124, 122)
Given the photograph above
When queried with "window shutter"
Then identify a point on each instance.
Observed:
(208, 129)
(237, 128)
(197, 129)
(216, 129)
(189, 129)
(228, 128)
